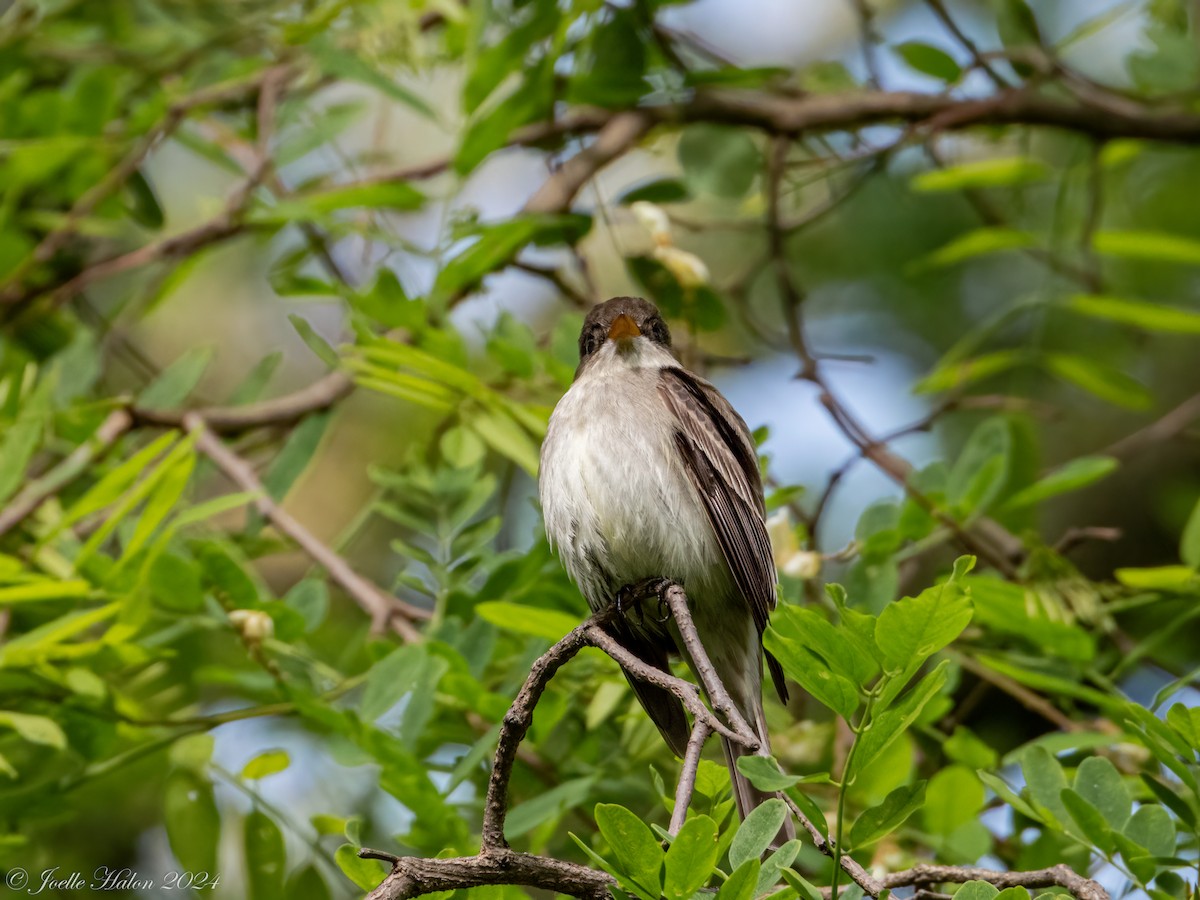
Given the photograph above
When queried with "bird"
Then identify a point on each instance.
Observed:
(647, 472)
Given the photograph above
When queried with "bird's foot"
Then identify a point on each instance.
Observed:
(631, 596)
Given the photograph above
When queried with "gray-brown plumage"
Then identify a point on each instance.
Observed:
(647, 471)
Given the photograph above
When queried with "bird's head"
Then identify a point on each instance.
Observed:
(625, 322)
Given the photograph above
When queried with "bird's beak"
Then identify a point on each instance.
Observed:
(623, 327)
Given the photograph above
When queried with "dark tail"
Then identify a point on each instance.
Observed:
(745, 795)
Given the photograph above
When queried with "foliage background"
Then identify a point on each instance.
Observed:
(358, 239)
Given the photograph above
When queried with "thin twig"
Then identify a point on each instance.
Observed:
(687, 775)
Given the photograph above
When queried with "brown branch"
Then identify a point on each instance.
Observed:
(687, 775)
(1165, 429)
(285, 410)
(1055, 876)
(383, 608)
(39, 491)
(412, 876)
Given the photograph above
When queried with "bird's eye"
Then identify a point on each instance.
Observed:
(590, 341)
(656, 330)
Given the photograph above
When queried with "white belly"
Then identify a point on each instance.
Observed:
(617, 502)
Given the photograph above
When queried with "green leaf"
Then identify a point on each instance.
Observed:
(690, 858)
(768, 876)
(955, 797)
(657, 190)
(741, 882)
(719, 159)
(1006, 172)
(764, 773)
(812, 672)
(172, 387)
(266, 763)
(352, 67)
(1140, 314)
(1046, 782)
(1151, 246)
(1098, 782)
(1165, 578)
(614, 61)
(35, 729)
(410, 671)
(386, 195)
(918, 627)
(1151, 827)
(976, 890)
(310, 598)
(192, 820)
(882, 820)
(887, 726)
(757, 831)
(315, 342)
(638, 854)
(118, 480)
(980, 242)
(1006, 793)
(294, 457)
(981, 470)
(1073, 476)
(551, 624)
(963, 746)
(1091, 823)
(1186, 722)
(1189, 543)
(1099, 379)
(810, 629)
(43, 590)
(265, 857)
(547, 805)
(175, 583)
(163, 499)
(930, 60)
(504, 435)
(365, 873)
(953, 374)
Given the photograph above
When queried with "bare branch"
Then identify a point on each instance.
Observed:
(1056, 876)
(413, 876)
(1165, 429)
(687, 775)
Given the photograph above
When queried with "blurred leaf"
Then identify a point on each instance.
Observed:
(657, 190)
(981, 471)
(507, 438)
(980, 242)
(953, 374)
(1099, 380)
(1157, 577)
(1005, 172)
(365, 873)
(1138, 313)
(1151, 246)
(295, 456)
(193, 823)
(35, 729)
(612, 73)
(350, 66)
(929, 60)
(954, 797)
(1072, 476)
(310, 598)
(315, 342)
(178, 380)
(720, 160)
(265, 857)
(547, 805)
(882, 820)
(266, 763)
(385, 195)
(1186, 722)
(1189, 543)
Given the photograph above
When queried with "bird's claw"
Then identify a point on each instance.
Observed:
(632, 595)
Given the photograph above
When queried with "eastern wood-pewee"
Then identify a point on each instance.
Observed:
(646, 472)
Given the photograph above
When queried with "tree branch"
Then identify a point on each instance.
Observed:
(385, 610)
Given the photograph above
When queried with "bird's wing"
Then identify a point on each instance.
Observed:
(718, 453)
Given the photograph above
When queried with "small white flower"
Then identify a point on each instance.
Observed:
(804, 564)
(689, 269)
(254, 625)
(654, 220)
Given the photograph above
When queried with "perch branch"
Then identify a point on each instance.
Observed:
(383, 608)
(687, 775)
